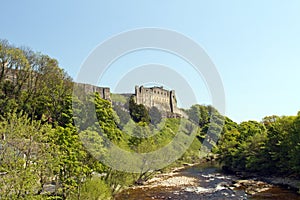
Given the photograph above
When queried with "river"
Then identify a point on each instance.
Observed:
(205, 182)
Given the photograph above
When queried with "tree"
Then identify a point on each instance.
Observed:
(70, 156)
(242, 146)
(278, 145)
(54, 90)
(294, 141)
(199, 114)
(26, 158)
(32, 83)
(14, 72)
(138, 112)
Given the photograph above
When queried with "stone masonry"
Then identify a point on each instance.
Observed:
(159, 97)
(104, 92)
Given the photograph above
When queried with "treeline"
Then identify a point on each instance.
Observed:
(34, 84)
(42, 152)
(271, 146)
(42, 155)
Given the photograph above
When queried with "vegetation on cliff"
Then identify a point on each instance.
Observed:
(42, 152)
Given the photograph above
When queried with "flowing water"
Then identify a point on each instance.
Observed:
(211, 183)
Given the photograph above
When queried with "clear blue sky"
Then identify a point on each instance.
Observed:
(255, 45)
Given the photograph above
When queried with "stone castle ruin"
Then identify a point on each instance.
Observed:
(159, 97)
(104, 92)
(164, 100)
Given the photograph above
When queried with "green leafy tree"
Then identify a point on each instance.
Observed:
(138, 112)
(14, 72)
(25, 154)
(294, 141)
(70, 157)
(278, 146)
(241, 146)
(199, 114)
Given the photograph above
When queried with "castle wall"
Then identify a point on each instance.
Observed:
(163, 99)
(104, 92)
(158, 97)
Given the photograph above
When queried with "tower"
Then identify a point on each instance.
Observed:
(173, 101)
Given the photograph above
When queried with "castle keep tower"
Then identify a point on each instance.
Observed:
(159, 97)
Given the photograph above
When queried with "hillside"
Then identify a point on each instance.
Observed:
(58, 146)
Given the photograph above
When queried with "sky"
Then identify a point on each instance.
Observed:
(254, 45)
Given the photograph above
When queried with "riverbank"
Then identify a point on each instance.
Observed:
(172, 178)
(286, 182)
(203, 181)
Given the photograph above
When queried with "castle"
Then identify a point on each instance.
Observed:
(11, 75)
(160, 98)
(104, 92)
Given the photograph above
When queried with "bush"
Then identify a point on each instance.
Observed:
(94, 189)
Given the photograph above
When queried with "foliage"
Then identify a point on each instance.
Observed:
(33, 154)
(94, 189)
(138, 112)
(199, 114)
(119, 98)
(33, 83)
(26, 159)
(271, 146)
(40, 144)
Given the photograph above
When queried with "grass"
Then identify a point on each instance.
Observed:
(118, 98)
